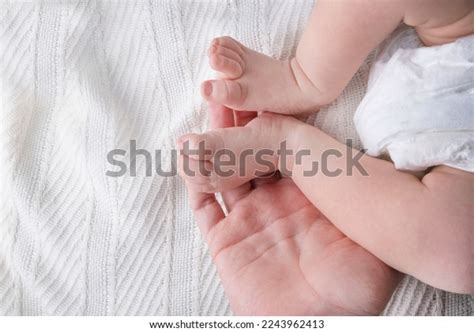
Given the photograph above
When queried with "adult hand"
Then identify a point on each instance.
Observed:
(276, 254)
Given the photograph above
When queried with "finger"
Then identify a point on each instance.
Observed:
(266, 179)
(223, 117)
(242, 118)
(232, 197)
(206, 210)
(220, 116)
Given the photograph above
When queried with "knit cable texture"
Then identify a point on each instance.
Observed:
(81, 78)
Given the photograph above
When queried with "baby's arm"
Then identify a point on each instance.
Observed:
(421, 227)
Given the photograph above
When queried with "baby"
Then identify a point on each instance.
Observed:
(423, 227)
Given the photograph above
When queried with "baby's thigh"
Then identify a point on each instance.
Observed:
(440, 21)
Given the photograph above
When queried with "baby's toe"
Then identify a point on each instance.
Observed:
(227, 56)
(230, 43)
(196, 172)
(225, 63)
(225, 92)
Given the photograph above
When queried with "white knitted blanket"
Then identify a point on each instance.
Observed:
(80, 78)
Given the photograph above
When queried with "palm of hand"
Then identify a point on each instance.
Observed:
(277, 254)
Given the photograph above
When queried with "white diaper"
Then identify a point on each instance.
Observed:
(419, 107)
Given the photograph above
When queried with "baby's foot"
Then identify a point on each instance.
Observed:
(250, 151)
(252, 81)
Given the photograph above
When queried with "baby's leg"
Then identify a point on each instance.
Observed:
(339, 36)
(441, 21)
(419, 227)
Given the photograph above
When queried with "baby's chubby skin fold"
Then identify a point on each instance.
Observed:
(420, 227)
(339, 36)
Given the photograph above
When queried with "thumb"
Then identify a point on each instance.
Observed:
(220, 116)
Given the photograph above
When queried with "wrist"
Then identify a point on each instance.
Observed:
(296, 133)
